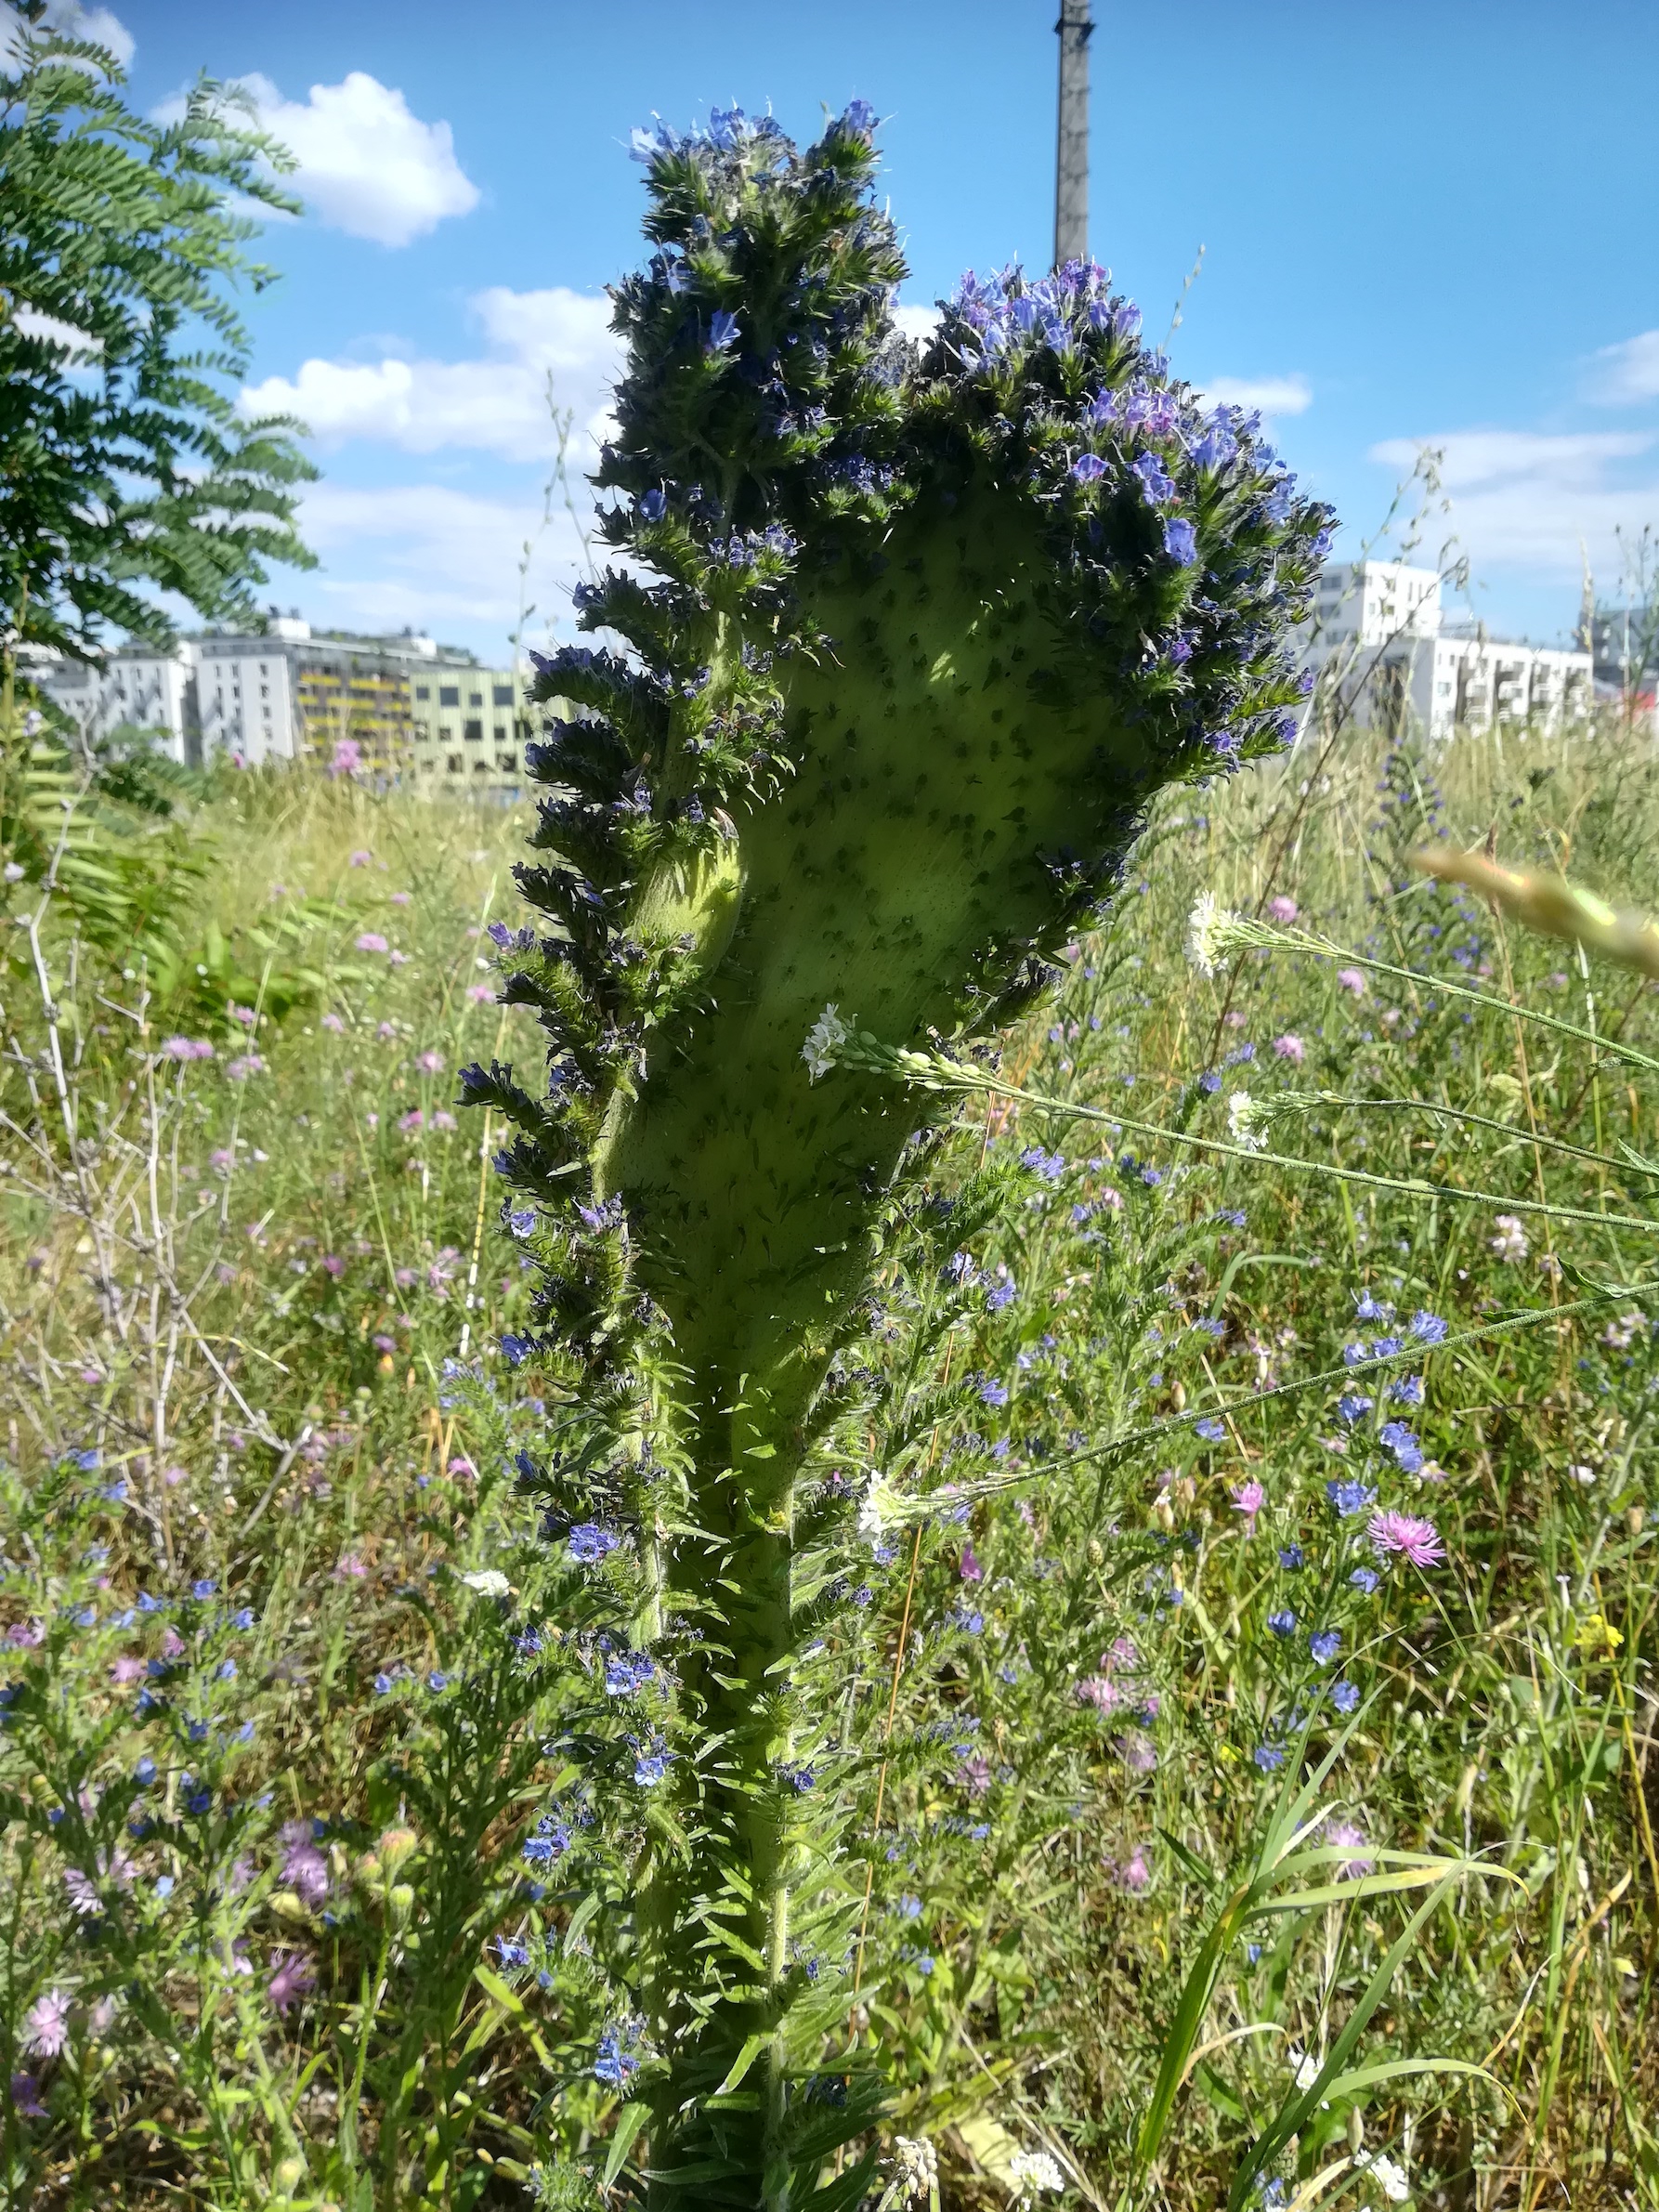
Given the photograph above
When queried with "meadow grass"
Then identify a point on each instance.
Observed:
(251, 1305)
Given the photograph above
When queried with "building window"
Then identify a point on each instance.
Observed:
(448, 695)
(480, 768)
(457, 762)
(501, 733)
(503, 695)
(473, 733)
(475, 699)
(508, 763)
(422, 691)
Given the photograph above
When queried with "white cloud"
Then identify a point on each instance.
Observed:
(496, 404)
(366, 164)
(1527, 499)
(98, 26)
(917, 322)
(437, 559)
(1625, 375)
(1261, 395)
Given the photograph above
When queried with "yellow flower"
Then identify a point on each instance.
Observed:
(1597, 1638)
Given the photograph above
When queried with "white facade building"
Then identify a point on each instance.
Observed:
(1379, 629)
(246, 701)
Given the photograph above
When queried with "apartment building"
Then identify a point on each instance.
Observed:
(1381, 641)
(470, 727)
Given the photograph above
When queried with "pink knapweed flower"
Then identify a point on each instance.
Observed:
(1135, 1875)
(126, 1669)
(1290, 1047)
(1248, 1499)
(24, 1635)
(410, 1121)
(187, 1048)
(222, 1161)
(46, 2025)
(240, 1069)
(335, 1024)
(401, 898)
(384, 1344)
(444, 1120)
(372, 941)
(1345, 1832)
(173, 1645)
(1350, 979)
(429, 1063)
(1280, 909)
(332, 1264)
(294, 1979)
(360, 859)
(349, 1567)
(968, 1566)
(347, 760)
(1403, 1535)
(1111, 1199)
(387, 1032)
(481, 994)
(974, 1774)
(1122, 1655)
(461, 1466)
(399, 959)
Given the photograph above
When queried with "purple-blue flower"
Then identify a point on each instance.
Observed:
(1268, 1757)
(1397, 1439)
(1157, 483)
(589, 1542)
(1282, 1623)
(722, 331)
(1324, 1643)
(1353, 1405)
(1211, 1430)
(1087, 468)
(1181, 540)
(1348, 1497)
(1345, 1697)
(653, 505)
(1429, 1329)
(1364, 1579)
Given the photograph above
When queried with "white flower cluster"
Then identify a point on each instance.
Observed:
(824, 1040)
(1202, 933)
(1035, 2174)
(1242, 1112)
(489, 1582)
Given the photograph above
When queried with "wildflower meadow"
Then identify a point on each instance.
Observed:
(895, 1452)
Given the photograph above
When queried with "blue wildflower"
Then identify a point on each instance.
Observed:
(649, 1766)
(522, 1222)
(1364, 1579)
(1345, 1695)
(1268, 1757)
(1429, 1329)
(1407, 1390)
(613, 2063)
(144, 1773)
(436, 1680)
(1348, 1496)
(1156, 484)
(1290, 1557)
(1353, 1405)
(1211, 1430)
(515, 1350)
(203, 1588)
(1087, 468)
(1181, 540)
(723, 331)
(1397, 1439)
(511, 1953)
(589, 1542)
(1282, 1623)
(1324, 1643)
(994, 1393)
(653, 505)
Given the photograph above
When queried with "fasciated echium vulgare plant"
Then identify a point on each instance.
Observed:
(908, 640)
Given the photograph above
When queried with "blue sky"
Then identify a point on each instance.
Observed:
(1420, 227)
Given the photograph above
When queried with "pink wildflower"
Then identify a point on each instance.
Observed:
(1122, 1655)
(401, 898)
(1233, 1018)
(240, 1069)
(410, 1121)
(1280, 909)
(1135, 1875)
(1350, 979)
(1346, 1833)
(125, 1670)
(429, 1063)
(360, 859)
(187, 1048)
(173, 1646)
(1139, 1752)
(481, 994)
(294, 1976)
(304, 1867)
(1290, 1047)
(399, 959)
(974, 1774)
(444, 1120)
(462, 1467)
(1101, 1692)
(222, 1161)
(350, 1568)
(332, 1264)
(384, 1343)
(24, 1635)
(372, 941)
(335, 1024)
(46, 2025)
(1416, 1541)
(387, 1032)
(347, 760)
(1248, 1499)
(968, 1566)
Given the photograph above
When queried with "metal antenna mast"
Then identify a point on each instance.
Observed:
(1071, 174)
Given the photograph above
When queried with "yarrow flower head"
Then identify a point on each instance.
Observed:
(1204, 925)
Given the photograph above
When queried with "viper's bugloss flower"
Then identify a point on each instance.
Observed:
(588, 1542)
(1429, 1329)
(1211, 1430)
(1348, 1496)
(1324, 1643)
(1345, 1697)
